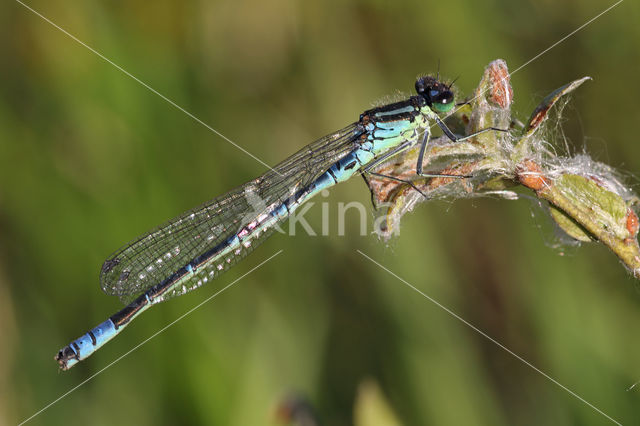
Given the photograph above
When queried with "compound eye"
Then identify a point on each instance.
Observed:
(445, 97)
(443, 101)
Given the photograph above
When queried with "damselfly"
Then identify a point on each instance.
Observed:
(202, 243)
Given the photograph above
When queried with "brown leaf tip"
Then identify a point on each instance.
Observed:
(632, 223)
(530, 175)
(500, 84)
(538, 117)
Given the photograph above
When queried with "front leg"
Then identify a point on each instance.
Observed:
(453, 138)
(367, 169)
(423, 149)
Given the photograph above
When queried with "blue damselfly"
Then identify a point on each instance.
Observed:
(204, 242)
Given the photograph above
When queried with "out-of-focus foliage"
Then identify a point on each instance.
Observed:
(89, 159)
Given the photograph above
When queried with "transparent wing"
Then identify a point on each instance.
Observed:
(155, 256)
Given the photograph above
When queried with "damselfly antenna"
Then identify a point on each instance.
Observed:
(451, 84)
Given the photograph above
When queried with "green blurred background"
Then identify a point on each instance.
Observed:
(89, 159)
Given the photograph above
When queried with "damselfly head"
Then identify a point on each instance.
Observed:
(436, 94)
